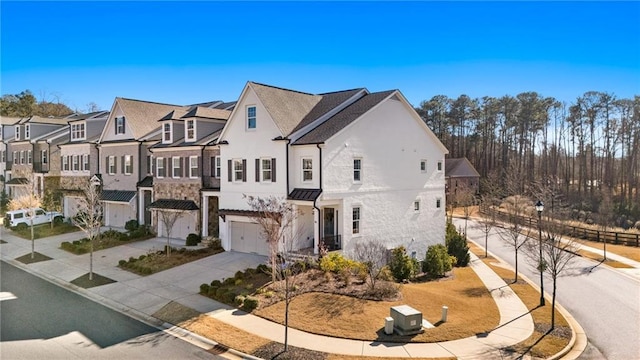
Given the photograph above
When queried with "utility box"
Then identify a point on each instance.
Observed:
(406, 320)
(388, 325)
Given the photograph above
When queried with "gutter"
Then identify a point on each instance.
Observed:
(315, 206)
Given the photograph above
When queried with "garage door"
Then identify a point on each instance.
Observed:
(119, 214)
(246, 237)
(71, 205)
(183, 226)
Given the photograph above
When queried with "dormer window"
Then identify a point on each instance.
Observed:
(251, 117)
(77, 131)
(27, 131)
(190, 130)
(17, 131)
(119, 125)
(167, 134)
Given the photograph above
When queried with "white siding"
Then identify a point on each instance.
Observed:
(296, 154)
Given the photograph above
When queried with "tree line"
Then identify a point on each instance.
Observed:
(25, 104)
(578, 149)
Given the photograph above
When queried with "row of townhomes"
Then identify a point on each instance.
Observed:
(357, 165)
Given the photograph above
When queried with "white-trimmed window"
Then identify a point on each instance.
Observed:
(16, 130)
(438, 203)
(120, 125)
(27, 131)
(167, 134)
(190, 130)
(238, 170)
(21, 156)
(176, 170)
(3, 155)
(15, 157)
(65, 162)
(77, 131)
(307, 169)
(423, 165)
(85, 162)
(357, 170)
(76, 163)
(29, 157)
(128, 164)
(44, 158)
(160, 170)
(439, 165)
(194, 168)
(355, 228)
(251, 117)
(215, 167)
(111, 164)
(265, 169)
(416, 206)
(150, 160)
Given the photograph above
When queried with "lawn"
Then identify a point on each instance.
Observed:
(472, 310)
(45, 230)
(158, 261)
(106, 240)
(629, 252)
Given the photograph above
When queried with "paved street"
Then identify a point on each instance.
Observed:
(604, 301)
(43, 321)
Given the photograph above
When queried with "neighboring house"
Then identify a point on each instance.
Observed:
(459, 173)
(77, 159)
(32, 136)
(6, 161)
(359, 166)
(131, 128)
(182, 183)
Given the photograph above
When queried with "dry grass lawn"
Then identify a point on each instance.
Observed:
(471, 311)
(596, 257)
(629, 252)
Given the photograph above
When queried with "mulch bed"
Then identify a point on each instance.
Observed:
(37, 257)
(98, 280)
(274, 350)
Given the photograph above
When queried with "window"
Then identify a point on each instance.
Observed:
(215, 167)
(44, 157)
(160, 167)
(238, 170)
(27, 131)
(29, 157)
(76, 163)
(190, 130)
(17, 132)
(423, 166)
(3, 156)
(175, 166)
(265, 169)
(166, 133)
(357, 170)
(120, 125)
(356, 220)
(438, 203)
(251, 117)
(128, 164)
(416, 205)
(85, 162)
(194, 169)
(65, 162)
(15, 157)
(77, 131)
(149, 164)
(111, 163)
(307, 169)
(439, 165)
(21, 156)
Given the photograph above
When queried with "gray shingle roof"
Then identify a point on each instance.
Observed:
(171, 204)
(118, 195)
(208, 113)
(343, 118)
(459, 167)
(142, 116)
(9, 120)
(328, 102)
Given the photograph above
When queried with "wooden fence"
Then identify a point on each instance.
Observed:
(610, 237)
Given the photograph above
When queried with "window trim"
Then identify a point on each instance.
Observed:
(186, 130)
(44, 156)
(85, 162)
(27, 132)
(160, 166)
(21, 157)
(309, 170)
(78, 131)
(16, 131)
(357, 171)
(129, 159)
(111, 164)
(440, 165)
(237, 172)
(29, 157)
(416, 205)
(356, 223)
(248, 123)
(65, 163)
(150, 160)
(76, 163)
(423, 165)
(120, 125)
(174, 168)
(191, 168)
(264, 171)
(217, 169)
(166, 132)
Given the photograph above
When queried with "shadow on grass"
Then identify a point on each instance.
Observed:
(526, 350)
(37, 257)
(485, 334)
(393, 338)
(97, 280)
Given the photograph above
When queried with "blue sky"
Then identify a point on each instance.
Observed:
(189, 52)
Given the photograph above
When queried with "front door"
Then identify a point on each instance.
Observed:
(147, 212)
(329, 222)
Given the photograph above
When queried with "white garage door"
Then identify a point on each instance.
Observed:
(118, 214)
(70, 205)
(246, 237)
(183, 226)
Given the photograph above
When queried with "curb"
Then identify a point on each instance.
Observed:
(578, 342)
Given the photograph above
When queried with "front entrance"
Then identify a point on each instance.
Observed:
(330, 237)
(147, 211)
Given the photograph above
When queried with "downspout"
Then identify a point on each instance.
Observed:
(315, 206)
(287, 163)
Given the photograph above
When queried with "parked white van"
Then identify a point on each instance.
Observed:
(22, 217)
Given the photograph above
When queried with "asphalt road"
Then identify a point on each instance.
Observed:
(40, 320)
(604, 301)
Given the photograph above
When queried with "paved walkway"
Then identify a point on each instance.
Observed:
(143, 296)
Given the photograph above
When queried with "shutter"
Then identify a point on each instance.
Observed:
(257, 170)
(122, 165)
(106, 164)
(61, 162)
(273, 170)
(115, 125)
(229, 171)
(185, 167)
(213, 166)
(132, 167)
(244, 170)
(166, 162)
(88, 162)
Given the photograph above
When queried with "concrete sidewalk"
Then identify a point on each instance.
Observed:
(143, 296)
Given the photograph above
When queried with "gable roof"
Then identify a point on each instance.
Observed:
(142, 116)
(44, 120)
(92, 115)
(459, 167)
(209, 113)
(343, 118)
(328, 102)
(286, 107)
(9, 120)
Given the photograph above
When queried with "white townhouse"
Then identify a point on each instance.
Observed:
(359, 166)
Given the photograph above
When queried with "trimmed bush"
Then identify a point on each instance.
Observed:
(401, 265)
(204, 289)
(239, 300)
(457, 246)
(250, 304)
(437, 261)
(229, 281)
(122, 263)
(131, 225)
(216, 283)
(193, 239)
(239, 275)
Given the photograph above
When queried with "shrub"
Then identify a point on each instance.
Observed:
(401, 265)
(131, 225)
(336, 263)
(383, 290)
(239, 275)
(229, 281)
(238, 282)
(142, 257)
(216, 283)
(213, 291)
(122, 263)
(250, 304)
(385, 274)
(138, 233)
(262, 268)
(239, 300)
(457, 246)
(437, 261)
(132, 259)
(220, 292)
(193, 239)
(215, 244)
(204, 289)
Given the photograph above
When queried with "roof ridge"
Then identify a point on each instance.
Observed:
(341, 91)
(284, 89)
(151, 102)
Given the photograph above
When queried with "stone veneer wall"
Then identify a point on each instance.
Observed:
(73, 182)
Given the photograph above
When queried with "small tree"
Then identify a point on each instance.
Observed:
(464, 196)
(276, 218)
(90, 215)
(401, 265)
(168, 218)
(457, 246)
(490, 194)
(28, 198)
(605, 215)
(437, 261)
(515, 234)
(372, 255)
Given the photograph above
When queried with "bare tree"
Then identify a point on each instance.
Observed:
(464, 196)
(516, 233)
(90, 215)
(605, 214)
(28, 198)
(371, 253)
(168, 218)
(277, 219)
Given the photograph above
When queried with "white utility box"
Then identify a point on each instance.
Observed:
(406, 320)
